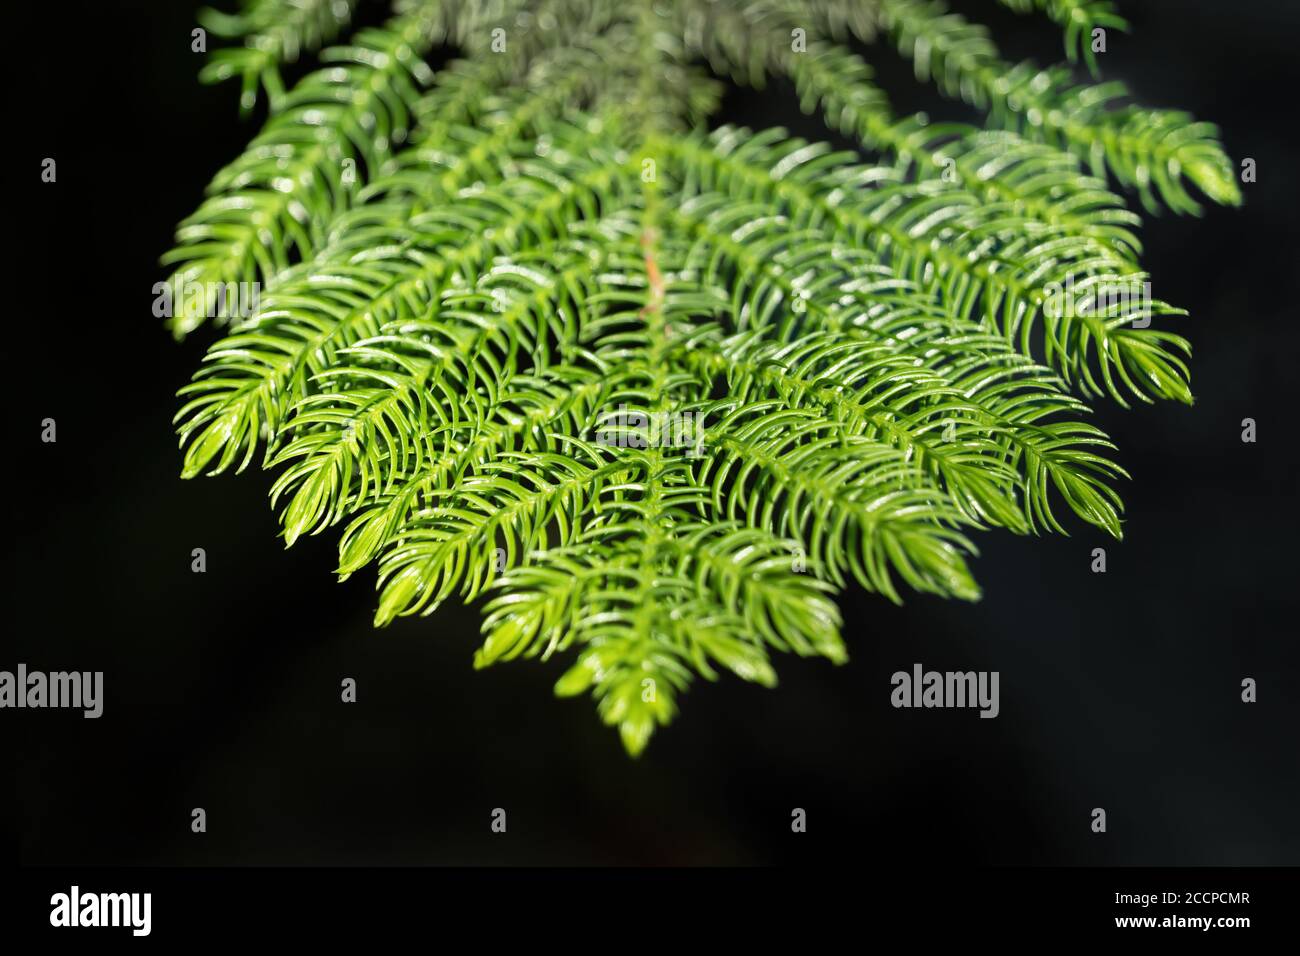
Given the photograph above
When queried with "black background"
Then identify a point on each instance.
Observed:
(222, 689)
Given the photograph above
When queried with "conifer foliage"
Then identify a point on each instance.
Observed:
(531, 330)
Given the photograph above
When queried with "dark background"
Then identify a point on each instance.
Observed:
(222, 689)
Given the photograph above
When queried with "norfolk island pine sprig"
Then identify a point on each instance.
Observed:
(491, 294)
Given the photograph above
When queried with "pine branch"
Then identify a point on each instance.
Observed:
(1152, 151)
(1035, 179)
(275, 32)
(273, 203)
(981, 261)
(253, 377)
(656, 395)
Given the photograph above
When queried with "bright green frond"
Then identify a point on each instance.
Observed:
(1151, 151)
(529, 333)
(984, 261)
